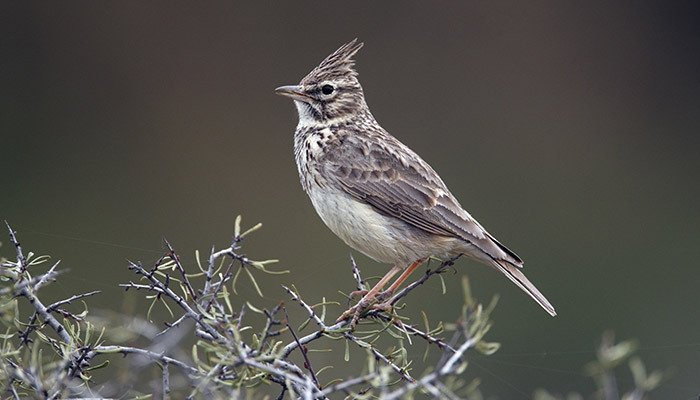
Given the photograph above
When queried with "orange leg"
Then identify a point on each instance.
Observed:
(373, 294)
(367, 298)
(403, 277)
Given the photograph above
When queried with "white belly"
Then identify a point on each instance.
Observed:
(382, 238)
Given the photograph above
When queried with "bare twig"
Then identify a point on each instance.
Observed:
(55, 305)
(271, 321)
(448, 368)
(356, 274)
(176, 259)
(309, 310)
(379, 356)
(159, 357)
(21, 259)
(227, 356)
(157, 285)
(226, 276)
(166, 381)
(46, 315)
(30, 282)
(347, 384)
(307, 362)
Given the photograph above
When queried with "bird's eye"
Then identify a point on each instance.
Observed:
(327, 89)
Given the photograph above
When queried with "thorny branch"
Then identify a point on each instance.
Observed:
(227, 354)
(176, 259)
(304, 352)
(50, 351)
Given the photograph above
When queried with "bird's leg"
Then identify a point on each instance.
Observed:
(389, 292)
(374, 294)
(385, 295)
(368, 297)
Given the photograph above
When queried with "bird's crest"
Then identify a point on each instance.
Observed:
(337, 65)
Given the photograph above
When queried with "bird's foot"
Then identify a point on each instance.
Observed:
(378, 302)
(384, 296)
(356, 293)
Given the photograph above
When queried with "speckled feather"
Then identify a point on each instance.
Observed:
(374, 192)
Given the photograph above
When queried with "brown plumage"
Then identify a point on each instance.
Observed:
(374, 192)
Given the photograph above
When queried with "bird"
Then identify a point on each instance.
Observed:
(375, 193)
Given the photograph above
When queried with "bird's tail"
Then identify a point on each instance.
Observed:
(513, 273)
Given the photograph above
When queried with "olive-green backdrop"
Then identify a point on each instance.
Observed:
(571, 131)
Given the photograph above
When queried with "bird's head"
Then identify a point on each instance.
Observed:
(331, 92)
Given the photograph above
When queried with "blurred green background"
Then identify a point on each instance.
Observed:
(570, 131)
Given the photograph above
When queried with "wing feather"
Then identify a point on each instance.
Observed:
(397, 182)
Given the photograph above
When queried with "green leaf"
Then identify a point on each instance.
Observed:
(256, 342)
(304, 324)
(235, 279)
(261, 266)
(253, 229)
(253, 308)
(199, 262)
(167, 307)
(227, 298)
(150, 309)
(487, 348)
(237, 226)
(252, 279)
(466, 289)
(6, 336)
(427, 330)
(104, 364)
(323, 369)
(38, 260)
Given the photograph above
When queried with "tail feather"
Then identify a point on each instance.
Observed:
(513, 273)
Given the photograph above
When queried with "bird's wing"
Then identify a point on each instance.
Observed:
(390, 177)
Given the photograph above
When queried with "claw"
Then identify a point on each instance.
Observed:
(366, 305)
(356, 293)
(373, 296)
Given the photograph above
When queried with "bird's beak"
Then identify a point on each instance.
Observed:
(294, 92)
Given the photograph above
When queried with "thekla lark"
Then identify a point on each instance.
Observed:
(374, 192)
